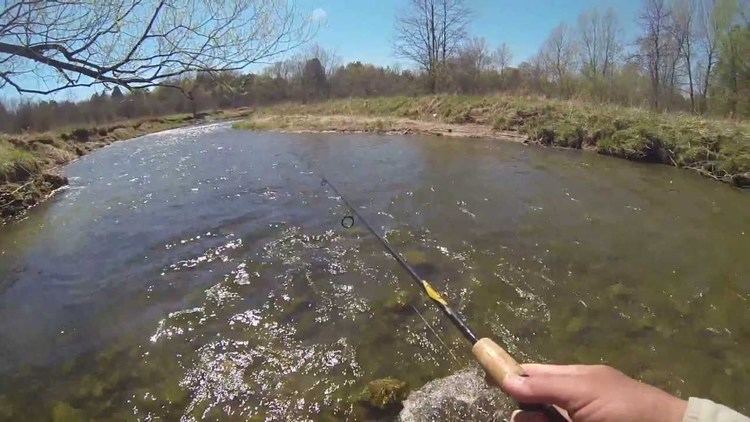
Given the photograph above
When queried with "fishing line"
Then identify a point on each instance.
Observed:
(440, 339)
(457, 320)
(348, 222)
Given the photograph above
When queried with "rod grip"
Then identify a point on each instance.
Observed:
(497, 363)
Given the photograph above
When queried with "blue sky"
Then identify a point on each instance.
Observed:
(364, 29)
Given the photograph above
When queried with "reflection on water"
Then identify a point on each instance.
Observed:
(203, 273)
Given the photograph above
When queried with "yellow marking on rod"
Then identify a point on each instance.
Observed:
(433, 294)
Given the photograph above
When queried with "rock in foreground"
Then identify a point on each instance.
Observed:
(384, 393)
(459, 397)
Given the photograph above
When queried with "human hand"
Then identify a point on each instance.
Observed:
(591, 393)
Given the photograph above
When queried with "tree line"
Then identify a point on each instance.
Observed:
(689, 55)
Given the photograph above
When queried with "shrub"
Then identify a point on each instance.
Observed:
(501, 123)
(640, 143)
(569, 135)
(80, 134)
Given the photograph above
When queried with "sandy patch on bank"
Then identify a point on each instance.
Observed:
(366, 124)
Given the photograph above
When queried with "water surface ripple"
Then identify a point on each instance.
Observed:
(203, 273)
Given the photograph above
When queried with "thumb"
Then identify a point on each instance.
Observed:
(560, 390)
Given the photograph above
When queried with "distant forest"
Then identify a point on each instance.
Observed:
(690, 56)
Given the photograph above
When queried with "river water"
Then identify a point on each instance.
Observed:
(204, 273)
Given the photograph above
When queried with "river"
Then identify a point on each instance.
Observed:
(205, 272)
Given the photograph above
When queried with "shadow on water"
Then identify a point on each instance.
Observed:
(204, 272)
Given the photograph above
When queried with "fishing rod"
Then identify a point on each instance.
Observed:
(423, 284)
(495, 360)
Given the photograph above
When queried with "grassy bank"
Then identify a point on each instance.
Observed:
(28, 161)
(719, 149)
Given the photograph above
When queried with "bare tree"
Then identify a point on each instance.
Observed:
(328, 58)
(714, 18)
(683, 33)
(558, 53)
(708, 50)
(296, 63)
(477, 52)
(502, 58)
(48, 46)
(599, 40)
(590, 36)
(466, 69)
(653, 43)
(534, 72)
(430, 32)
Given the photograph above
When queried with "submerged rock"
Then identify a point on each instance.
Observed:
(63, 412)
(384, 393)
(90, 387)
(464, 395)
(619, 292)
(426, 270)
(400, 301)
(415, 257)
(6, 408)
(576, 325)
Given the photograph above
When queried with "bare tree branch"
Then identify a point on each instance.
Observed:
(48, 46)
(430, 32)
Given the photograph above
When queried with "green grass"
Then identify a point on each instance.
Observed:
(716, 148)
(15, 164)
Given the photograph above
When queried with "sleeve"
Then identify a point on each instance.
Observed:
(702, 410)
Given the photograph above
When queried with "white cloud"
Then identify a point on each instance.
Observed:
(319, 15)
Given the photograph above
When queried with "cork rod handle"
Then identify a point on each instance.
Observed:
(495, 360)
(498, 364)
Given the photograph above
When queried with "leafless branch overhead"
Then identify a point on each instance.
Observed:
(48, 46)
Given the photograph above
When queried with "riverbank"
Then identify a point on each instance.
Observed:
(719, 149)
(29, 162)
